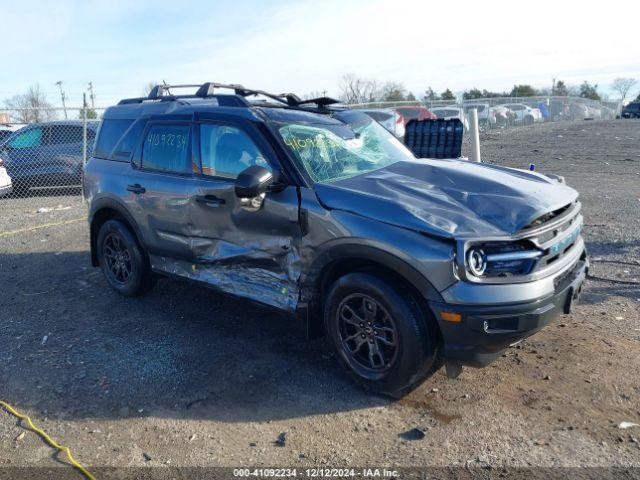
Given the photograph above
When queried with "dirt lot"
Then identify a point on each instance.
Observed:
(186, 377)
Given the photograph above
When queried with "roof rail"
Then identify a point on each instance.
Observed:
(207, 90)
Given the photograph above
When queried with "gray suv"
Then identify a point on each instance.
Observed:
(403, 263)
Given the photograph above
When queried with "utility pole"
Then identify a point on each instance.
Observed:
(63, 97)
(92, 96)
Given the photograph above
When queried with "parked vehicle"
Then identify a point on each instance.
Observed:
(451, 112)
(486, 114)
(593, 113)
(503, 115)
(388, 118)
(578, 111)
(413, 113)
(632, 110)
(6, 185)
(320, 211)
(524, 113)
(559, 109)
(544, 111)
(47, 154)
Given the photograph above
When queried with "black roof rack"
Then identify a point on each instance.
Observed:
(207, 90)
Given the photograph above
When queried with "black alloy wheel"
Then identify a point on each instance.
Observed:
(117, 258)
(368, 333)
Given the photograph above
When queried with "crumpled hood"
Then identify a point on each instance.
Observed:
(449, 198)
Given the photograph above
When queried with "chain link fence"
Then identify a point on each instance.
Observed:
(42, 155)
(43, 152)
(498, 113)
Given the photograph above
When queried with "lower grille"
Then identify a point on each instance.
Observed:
(563, 280)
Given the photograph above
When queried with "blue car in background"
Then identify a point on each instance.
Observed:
(48, 154)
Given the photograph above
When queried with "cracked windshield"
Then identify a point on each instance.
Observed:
(333, 152)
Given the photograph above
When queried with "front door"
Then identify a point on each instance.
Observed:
(248, 247)
(22, 156)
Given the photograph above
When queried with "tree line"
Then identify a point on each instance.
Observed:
(355, 89)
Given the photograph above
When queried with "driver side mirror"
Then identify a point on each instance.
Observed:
(253, 181)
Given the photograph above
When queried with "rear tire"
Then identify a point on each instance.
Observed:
(122, 261)
(382, 337)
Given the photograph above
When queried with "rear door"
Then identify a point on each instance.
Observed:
(248, 247)
(160, 187)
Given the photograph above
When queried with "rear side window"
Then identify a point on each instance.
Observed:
(166, 148)
(128, 143)
(30, 138)
(110, 133)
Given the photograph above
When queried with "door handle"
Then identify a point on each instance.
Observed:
(210, 200)
(136, 188)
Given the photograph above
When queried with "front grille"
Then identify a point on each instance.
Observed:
(536, 251)
(563, 280)
(556, 242)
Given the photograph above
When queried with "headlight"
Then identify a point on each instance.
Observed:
(476, 262)
(501, 260)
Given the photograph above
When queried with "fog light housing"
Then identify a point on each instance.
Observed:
(476, 262)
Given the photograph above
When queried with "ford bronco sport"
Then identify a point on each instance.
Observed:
(404, 263)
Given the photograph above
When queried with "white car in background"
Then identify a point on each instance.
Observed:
(451, 112)
(593, 113)
(524, 113)
(486, 114)
(388, 118)
(5, 180)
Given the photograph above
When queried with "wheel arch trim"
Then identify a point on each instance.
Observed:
(102, 204)
(317, 270)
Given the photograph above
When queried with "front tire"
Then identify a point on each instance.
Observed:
(382, 337)
(122, 261)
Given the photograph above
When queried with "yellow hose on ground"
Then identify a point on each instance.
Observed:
(47, 438)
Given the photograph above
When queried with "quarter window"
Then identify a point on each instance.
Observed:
(110, 132)
(226, 151)
(166, 148)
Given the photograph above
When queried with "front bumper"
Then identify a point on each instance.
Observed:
(486, 330)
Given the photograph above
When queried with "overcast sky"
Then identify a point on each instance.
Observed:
(306, 46)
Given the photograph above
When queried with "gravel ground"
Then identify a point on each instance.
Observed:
(187, 377)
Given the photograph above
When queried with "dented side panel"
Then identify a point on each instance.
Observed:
(259, 284)
(247, 252)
